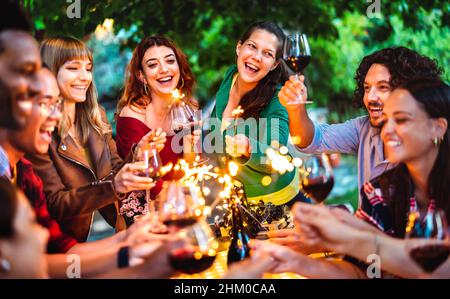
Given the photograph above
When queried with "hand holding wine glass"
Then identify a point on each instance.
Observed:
(294, 93)
(127, 179)
(154, 137)
(149, 158)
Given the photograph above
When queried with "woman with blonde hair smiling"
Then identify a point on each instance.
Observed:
(82, 172)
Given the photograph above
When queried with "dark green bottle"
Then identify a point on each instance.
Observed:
(239, 248)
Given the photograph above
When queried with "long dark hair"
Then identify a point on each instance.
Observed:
(434, 97)
(8, 208)
(254, 101)
(403, 64)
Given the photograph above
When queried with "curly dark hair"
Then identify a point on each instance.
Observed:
(403, 64)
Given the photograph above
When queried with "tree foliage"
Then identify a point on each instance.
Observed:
(340, 33)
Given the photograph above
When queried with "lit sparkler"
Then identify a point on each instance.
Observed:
(177, 95)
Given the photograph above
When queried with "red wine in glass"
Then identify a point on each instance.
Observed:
(190, 261)
(317, 179)
(430, 257)
(297, 63)
(318, 188)
(181, 222)
(180, 126)
(296, 52)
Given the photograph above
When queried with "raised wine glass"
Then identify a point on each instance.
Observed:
(297, 54)
(180, 208)
(430, 247)
(149, 156)
(183, 117)
(316, 177)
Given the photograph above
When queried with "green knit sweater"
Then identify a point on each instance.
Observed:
(273, 125)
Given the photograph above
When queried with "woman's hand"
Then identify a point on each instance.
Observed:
(294, 93)
(146, 229)
(238, 146)
(333, 229)
(252, 268)
(126, 180)
(155, 138)
(154, 257)
(290, 237)
(287, 260)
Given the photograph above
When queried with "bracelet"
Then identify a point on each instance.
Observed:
(123, 257)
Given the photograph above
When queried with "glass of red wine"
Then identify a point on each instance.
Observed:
(316, 177)
(185, 118)
(428, 243)
(149, 156)
(199, 252)
(180, 208)
(297, 54)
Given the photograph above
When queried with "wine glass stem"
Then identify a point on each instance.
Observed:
(297, 76)
(150, 204)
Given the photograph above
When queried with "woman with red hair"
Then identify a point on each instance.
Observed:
(157, 68)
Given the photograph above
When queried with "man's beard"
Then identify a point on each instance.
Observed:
(377, 123)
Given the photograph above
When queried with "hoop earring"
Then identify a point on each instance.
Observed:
(182, 83)
(5, 265)
(145, 89)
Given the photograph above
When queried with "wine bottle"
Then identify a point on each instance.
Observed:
(239, 248)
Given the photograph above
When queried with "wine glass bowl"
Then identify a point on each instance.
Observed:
(184, 118)
(149, 156)
(297, 53)
(316, 177)
(179, 205)
(428, 243)
(200, 251)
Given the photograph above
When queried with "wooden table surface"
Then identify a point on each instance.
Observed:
(219, 268)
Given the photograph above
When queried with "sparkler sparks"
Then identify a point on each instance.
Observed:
(177, 95)
(236, 113)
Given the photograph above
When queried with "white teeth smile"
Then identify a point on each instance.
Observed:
(393, 143)
(48, 130)
(252, 67)
(165, 79)
(79, 87)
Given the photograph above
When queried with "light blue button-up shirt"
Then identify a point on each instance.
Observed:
(4, 164)
(355, 136)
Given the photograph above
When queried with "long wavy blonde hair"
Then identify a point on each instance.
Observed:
(54, 53)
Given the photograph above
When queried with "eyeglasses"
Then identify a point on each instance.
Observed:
(51, 107)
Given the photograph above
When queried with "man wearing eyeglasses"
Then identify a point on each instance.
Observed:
(97, 258)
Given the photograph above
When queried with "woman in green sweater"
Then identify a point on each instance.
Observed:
(253, 83)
